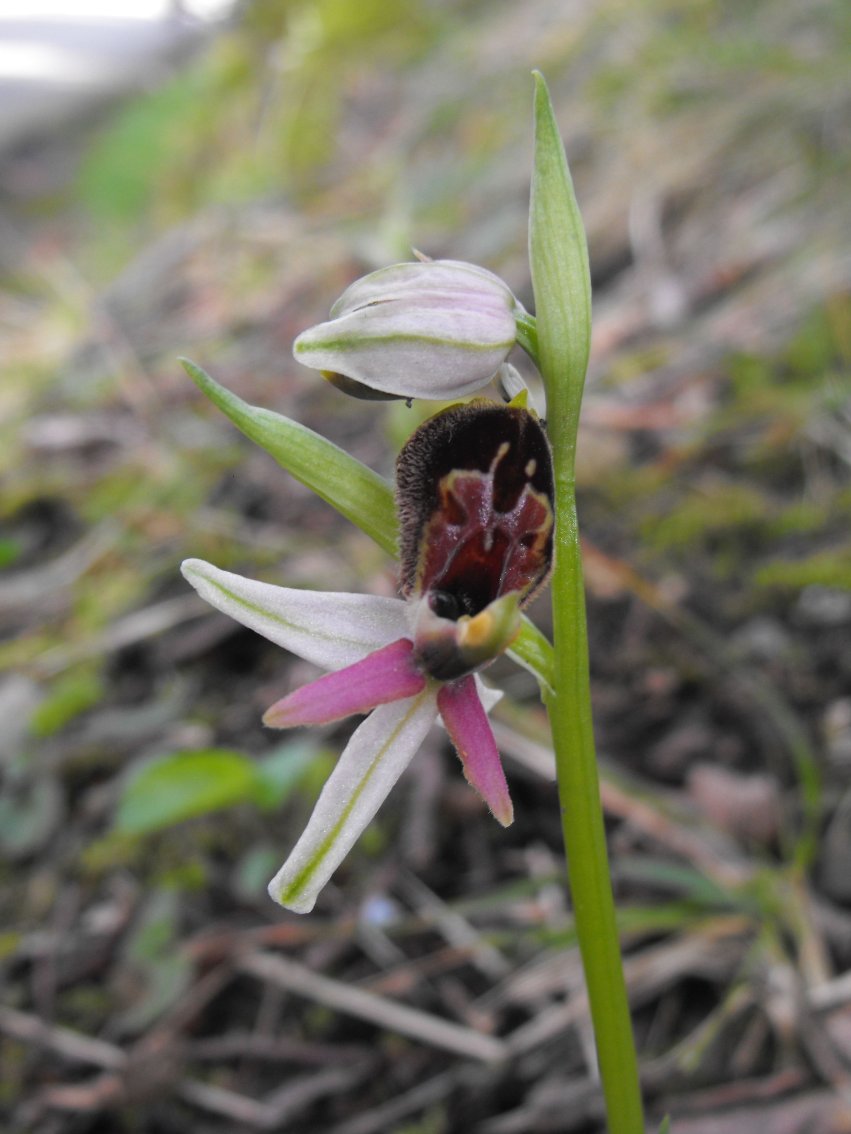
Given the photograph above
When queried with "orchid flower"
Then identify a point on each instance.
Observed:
(476, 544)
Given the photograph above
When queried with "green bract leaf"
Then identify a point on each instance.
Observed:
(561, 281)
(357, 492)
(558, 256)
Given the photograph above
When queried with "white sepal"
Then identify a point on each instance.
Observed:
(374, 759)
(328, 628)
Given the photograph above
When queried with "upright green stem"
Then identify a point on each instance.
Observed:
(582, 817)
(561, 282)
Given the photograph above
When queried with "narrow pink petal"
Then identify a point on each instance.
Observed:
(470, 731)
(388, 674)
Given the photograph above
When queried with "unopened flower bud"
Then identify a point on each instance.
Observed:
(437, 329)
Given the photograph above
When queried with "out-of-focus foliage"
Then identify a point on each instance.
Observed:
(256, 116)
(172, 788)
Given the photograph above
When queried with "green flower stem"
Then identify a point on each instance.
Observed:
(533, 651)
(527, 332)
(561, 283)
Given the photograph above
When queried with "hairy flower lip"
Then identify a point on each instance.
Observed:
(437, 329)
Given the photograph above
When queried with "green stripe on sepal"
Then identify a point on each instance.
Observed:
(357, 492)
(377, 754)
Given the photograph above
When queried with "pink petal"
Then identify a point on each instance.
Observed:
(467, 724)
(388, 674)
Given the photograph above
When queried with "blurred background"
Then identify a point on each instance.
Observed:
(204, 179)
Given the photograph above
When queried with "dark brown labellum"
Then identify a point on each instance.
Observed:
(474, 487)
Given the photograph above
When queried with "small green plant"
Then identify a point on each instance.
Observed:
(483, 498)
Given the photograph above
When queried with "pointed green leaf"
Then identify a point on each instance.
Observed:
(357, 492)
(558, 256)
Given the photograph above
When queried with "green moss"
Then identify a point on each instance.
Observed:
(21, 653)
(86, 1006)
(813, 350)
(69, 695)
(711, 509)
(801, 517)
(823, 568)
(113, 852)
(10, 940)
(16, 1058)
(10, 550)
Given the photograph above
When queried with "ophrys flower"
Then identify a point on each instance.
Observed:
(474, 487)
